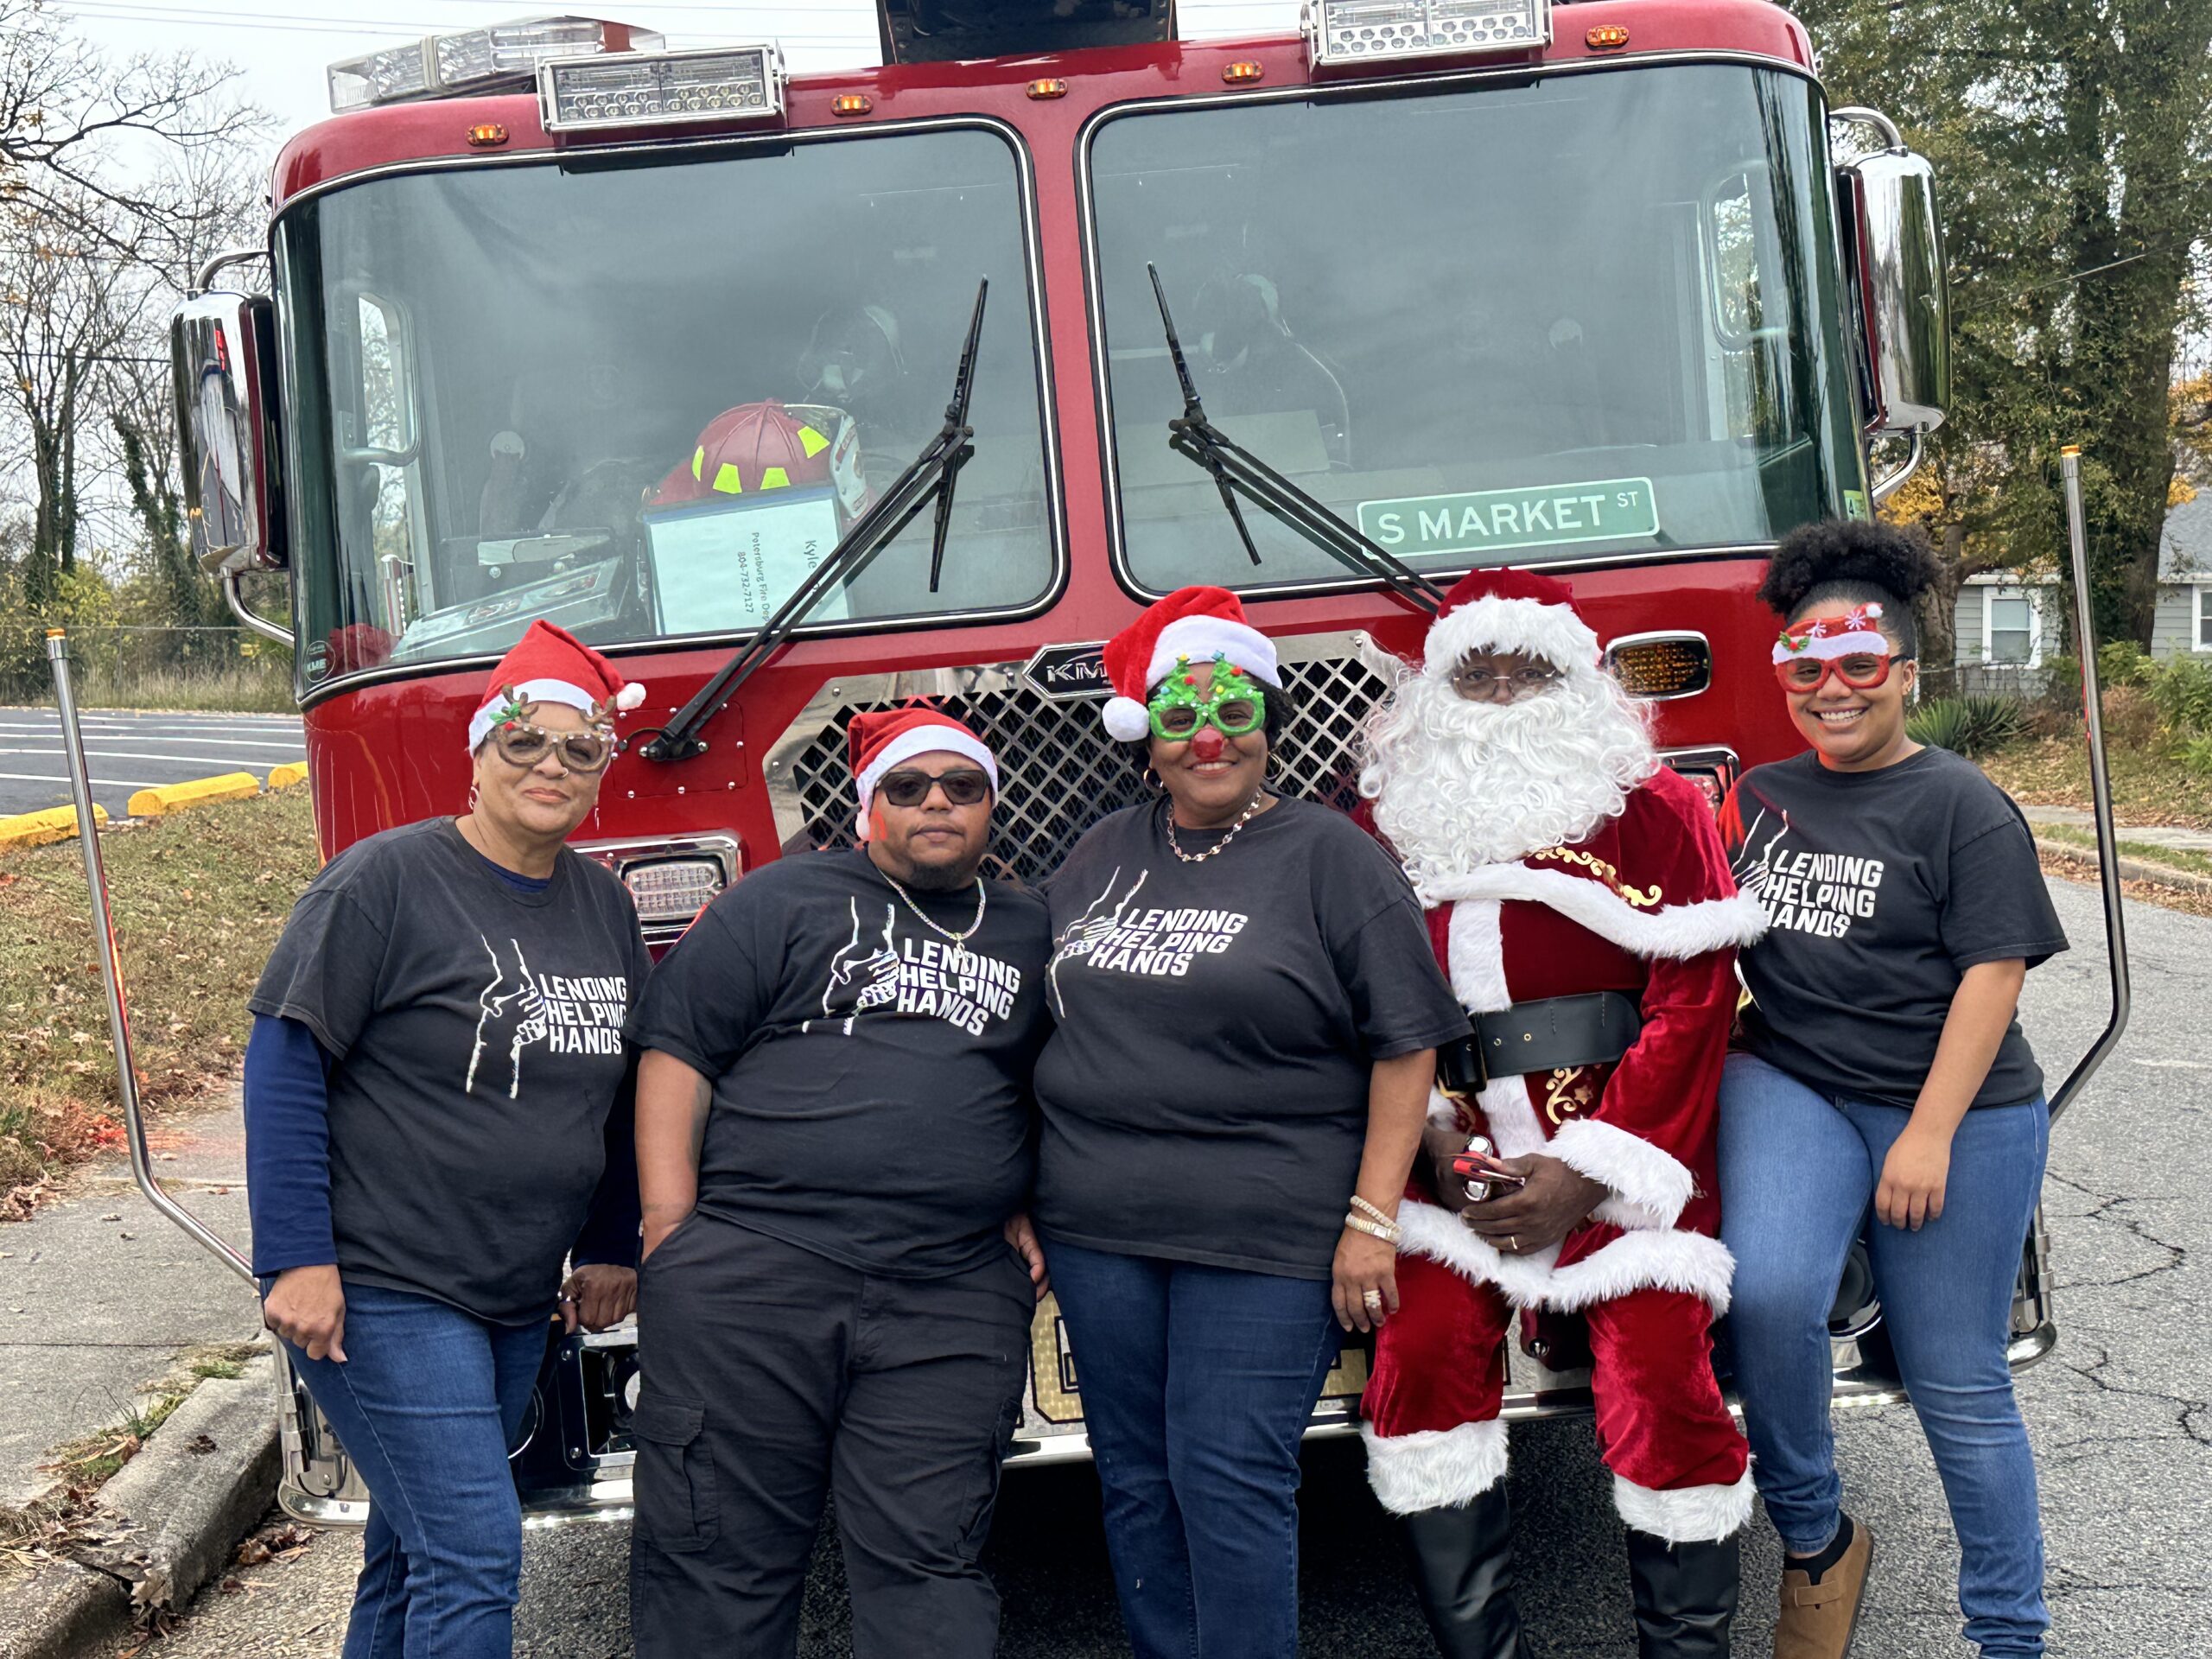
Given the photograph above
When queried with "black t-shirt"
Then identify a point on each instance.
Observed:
(1881, 889)
(1204, 1095)
(871, 1078)
(477, 1031)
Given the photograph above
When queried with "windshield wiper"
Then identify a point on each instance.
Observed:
(1236, 470)
(935, 472)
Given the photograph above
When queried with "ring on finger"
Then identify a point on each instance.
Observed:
(1371, 1299)
(1513, 1244)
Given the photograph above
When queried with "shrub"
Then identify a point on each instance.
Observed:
(1972, 726)
(2181, 688)
(1941, 724)
(2195, 756)
(2122, 662)
(2131, 719)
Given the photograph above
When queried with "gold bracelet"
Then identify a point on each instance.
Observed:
(1371, 1211)
(1387, 1232)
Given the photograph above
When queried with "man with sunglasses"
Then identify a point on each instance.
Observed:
(835, 1149)
(1580, 900)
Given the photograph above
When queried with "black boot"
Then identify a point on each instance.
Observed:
(1685, 1596)
(1463, 1570)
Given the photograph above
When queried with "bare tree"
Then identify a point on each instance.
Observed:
(63, 106)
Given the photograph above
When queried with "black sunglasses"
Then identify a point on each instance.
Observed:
(912, 788)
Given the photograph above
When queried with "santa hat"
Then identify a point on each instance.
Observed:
(550, 664)
(1509, 610)
(1200, 623)
(880, 739)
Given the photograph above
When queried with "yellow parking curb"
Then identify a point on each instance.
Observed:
(174, 798)
(36, 828)
(291, 773)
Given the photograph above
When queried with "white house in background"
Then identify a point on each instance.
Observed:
(2004, 619)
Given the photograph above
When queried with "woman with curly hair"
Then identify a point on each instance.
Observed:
(1881, 1066)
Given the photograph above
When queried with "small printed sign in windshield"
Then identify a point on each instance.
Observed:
(1490, 521)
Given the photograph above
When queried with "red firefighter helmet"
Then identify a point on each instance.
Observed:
(745, 450)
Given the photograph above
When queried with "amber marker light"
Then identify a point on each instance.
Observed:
(1048, 86)
(1243, 70)
(1606, 37)
(487, 135)
(851, 103)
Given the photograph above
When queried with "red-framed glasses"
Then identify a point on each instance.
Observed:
(1860, 671)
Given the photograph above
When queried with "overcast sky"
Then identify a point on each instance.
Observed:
(281, 47)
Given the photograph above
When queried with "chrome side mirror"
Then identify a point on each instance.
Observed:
(1899, 273)
(223, 356)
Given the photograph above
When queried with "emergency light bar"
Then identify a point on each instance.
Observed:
(660, 89)
(1339, 32)
(475, 60)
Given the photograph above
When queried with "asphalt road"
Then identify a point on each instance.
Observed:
(2120, 1415)
(130, 751)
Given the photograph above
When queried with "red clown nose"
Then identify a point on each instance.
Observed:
(1206, 743)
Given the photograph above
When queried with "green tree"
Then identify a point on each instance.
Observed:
(2070, 139)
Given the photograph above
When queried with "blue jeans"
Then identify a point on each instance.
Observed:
(427, 1404)
(1797, 1177)
(1197, 1384)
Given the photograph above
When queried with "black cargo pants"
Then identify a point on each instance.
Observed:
(772, 1375)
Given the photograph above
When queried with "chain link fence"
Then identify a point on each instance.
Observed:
(126, 667)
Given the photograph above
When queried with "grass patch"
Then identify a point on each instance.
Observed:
(199, 898)
(226, 1371)
(2174, 858)
(2147, 786)
(92, 1459)
(233, 688)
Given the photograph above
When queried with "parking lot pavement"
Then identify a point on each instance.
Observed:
(2120, 1416)
(130, 751)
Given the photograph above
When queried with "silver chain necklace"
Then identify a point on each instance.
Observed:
(1221, 845)
(983, 898)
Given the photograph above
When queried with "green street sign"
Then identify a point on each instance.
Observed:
(1491, 521)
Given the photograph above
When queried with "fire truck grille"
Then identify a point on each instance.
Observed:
(1059, 773)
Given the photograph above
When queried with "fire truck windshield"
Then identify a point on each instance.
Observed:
(642, 396)
(1583, 316)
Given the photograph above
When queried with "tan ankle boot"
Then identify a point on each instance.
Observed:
(1817, 1619)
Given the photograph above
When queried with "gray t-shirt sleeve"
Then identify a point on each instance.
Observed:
(326, 970)
(1996, 906)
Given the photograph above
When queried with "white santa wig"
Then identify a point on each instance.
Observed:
(1457, 783)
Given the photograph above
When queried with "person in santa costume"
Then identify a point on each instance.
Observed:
(437, 1112)
(1578, 896)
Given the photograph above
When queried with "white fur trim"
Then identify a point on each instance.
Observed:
(1434, 1468)
(1651, 1260)
(629, 697)
(1430, 1229)
(1443, 1110)
(1125, 719)
(1651, 1185)
(1200, 636)
(1675, 932)
(1688, 1515)
(928, 739)
(1476, 949)
(558, 691)
(1554, 632)
(1512, 1117)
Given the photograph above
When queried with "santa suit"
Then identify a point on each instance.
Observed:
(1644, 905)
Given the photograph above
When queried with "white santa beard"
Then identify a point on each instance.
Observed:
(1458, 784)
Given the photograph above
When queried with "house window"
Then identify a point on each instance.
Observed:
(2009, 626)
(2205, 617)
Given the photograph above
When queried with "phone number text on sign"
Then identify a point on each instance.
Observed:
(1486, 521)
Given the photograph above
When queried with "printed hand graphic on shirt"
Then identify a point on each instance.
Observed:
(1087, 931)
(513, 1016)
(864, 974)
(1754, 862)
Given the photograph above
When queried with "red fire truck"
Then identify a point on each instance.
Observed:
(1438, 283)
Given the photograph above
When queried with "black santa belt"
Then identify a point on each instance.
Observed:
(1553, 1034)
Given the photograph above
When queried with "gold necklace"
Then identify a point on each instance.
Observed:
(983, 898)
(1221, 845)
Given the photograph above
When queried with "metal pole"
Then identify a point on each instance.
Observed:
(2093, 715)
(126, 1074)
